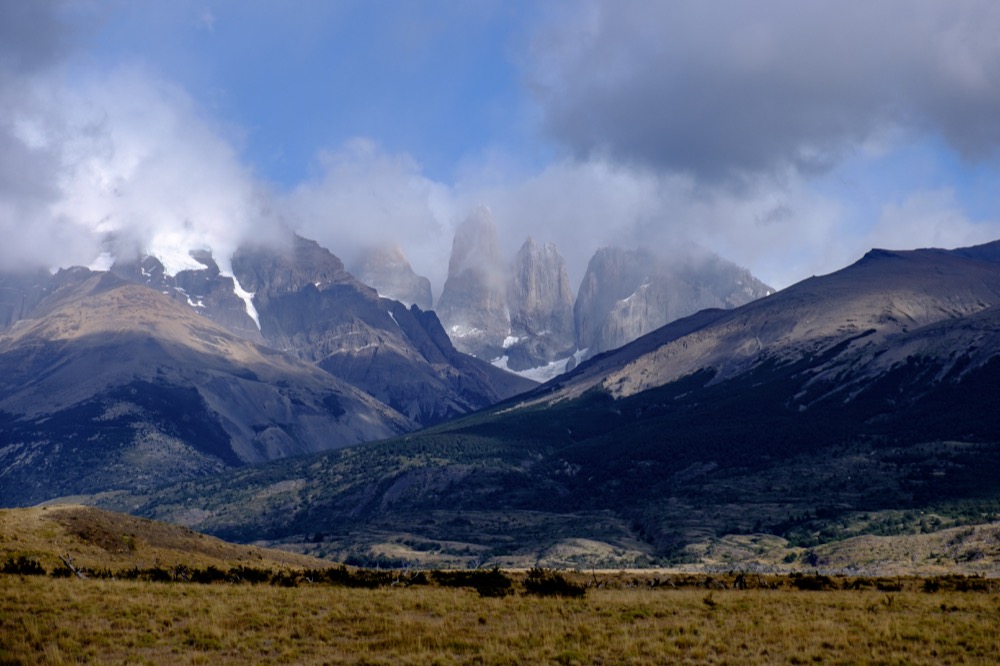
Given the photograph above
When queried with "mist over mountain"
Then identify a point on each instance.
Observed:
(473, 307)
(385, 268)
(521, 314)
(628, 293)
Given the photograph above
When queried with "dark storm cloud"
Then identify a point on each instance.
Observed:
(32, 35)
(723, 90)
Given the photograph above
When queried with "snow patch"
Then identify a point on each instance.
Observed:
(176, 258)
(510, 341)
(393, 318)
(247, 300)
(540, 374)
(462, 331)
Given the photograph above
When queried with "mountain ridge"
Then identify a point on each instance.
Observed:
(655, 454)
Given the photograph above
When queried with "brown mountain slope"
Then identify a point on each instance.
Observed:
(883, 297)
(116, 385)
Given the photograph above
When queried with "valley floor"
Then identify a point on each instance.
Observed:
(46, 620)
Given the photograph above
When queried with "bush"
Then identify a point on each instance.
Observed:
(23, 565)
(492, 583)
(813, 582)
(551, 584)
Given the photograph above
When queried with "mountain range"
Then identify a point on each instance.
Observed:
(131, 377)
(855, 404)
(522, 316)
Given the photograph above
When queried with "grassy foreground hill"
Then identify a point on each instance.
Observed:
(95, 539)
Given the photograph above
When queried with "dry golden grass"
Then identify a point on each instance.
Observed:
(58, 621)
(99, 539)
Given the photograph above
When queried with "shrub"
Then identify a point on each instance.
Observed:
(551, 584)
(23, 565)
(492, 583)
(813, 582)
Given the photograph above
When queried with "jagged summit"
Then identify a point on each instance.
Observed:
(540, 302)
(628, 293)
(473, 307)
(386, 269)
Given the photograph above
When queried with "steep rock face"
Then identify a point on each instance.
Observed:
(386, 269)
(613, 274)
(309, 305)
(540, 302)
(628, 293)
(473, 306)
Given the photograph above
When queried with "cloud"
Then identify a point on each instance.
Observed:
(143, 166)
(362, 195)
(780, 232)
(724, 90)
(32, 35)
(663, 106)
(120, 162)
(931, 218)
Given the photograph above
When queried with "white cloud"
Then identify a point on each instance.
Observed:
(124, 158)
(364, 196)
(931, 218)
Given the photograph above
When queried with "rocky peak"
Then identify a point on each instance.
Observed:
(613, 274)
(385, 268)
(473, 305)
(288, 268)
(628, 293)
(541, 307)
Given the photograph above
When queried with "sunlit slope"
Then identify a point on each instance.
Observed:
(113, 385)
(94, 539)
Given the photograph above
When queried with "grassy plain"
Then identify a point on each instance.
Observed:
(46, 620)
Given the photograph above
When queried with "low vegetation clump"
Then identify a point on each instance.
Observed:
(551, 584)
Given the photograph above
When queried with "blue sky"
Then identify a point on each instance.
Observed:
(438, 80)
(789, 137)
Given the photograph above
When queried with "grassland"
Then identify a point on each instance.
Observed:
(97, 539)
(305, 611)
(45, 620)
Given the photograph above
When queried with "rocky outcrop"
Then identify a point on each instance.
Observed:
(522, 316)
(208, 291)
(613, 275)
(385, 269)
(628, 293)
(309, 305)
(473, 304)
(540, 303)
